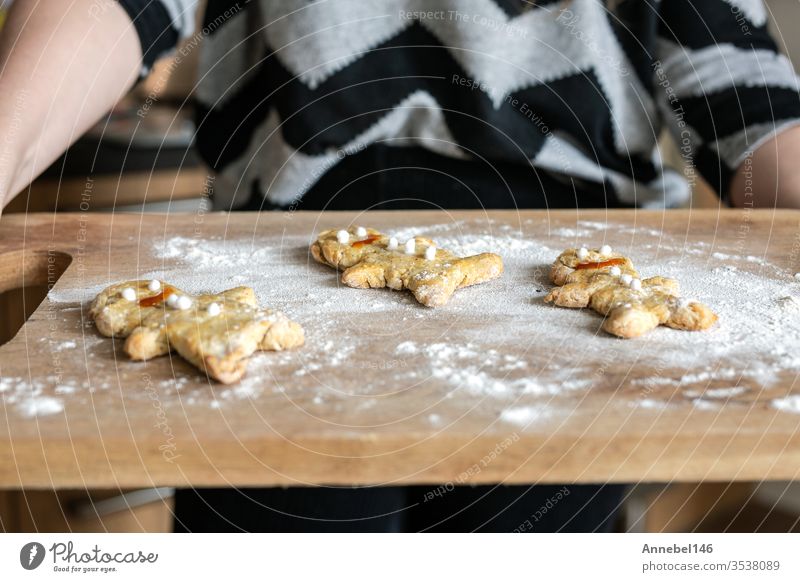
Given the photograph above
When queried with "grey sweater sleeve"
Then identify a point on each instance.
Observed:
(160, 24)
(724, 87)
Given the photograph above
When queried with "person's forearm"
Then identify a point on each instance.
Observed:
(62, 66)
(770, 177)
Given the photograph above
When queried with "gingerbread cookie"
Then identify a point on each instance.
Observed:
(608, 283)
(372, 259)
(216, 333)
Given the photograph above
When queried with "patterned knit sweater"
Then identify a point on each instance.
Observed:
(578, 88)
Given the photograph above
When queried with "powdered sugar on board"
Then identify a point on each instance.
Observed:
(29, 399)
(788, 404)
(495, 349)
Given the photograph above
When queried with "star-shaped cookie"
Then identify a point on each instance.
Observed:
(369, 258)
(217, 333)
(608, 283)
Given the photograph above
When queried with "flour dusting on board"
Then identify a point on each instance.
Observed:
(40, 406)
(788, 404)
(28, 399)
(496, 348)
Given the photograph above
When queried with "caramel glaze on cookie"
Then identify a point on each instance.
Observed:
(216, 333)
(369, 258)
(608, 283)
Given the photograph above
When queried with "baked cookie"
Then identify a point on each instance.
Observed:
(216, 333)
(608, 283)
(369, 258)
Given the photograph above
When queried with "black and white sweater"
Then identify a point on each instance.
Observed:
(578, 88)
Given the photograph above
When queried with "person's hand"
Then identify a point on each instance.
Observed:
(770, 177)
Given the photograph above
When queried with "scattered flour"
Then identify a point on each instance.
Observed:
(649, 403)
(496, 341)
(701, 404)
(522, 415)
(748, 258)
(65, 345)
(790, 303)
(39, 406)
(30, 400)
(408, 347)
(471, 371)
(717, 393)
(788, 404)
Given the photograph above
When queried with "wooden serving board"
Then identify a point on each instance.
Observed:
(494, 387)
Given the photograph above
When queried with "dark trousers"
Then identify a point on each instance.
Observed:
(540, 508)
(404, 179)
